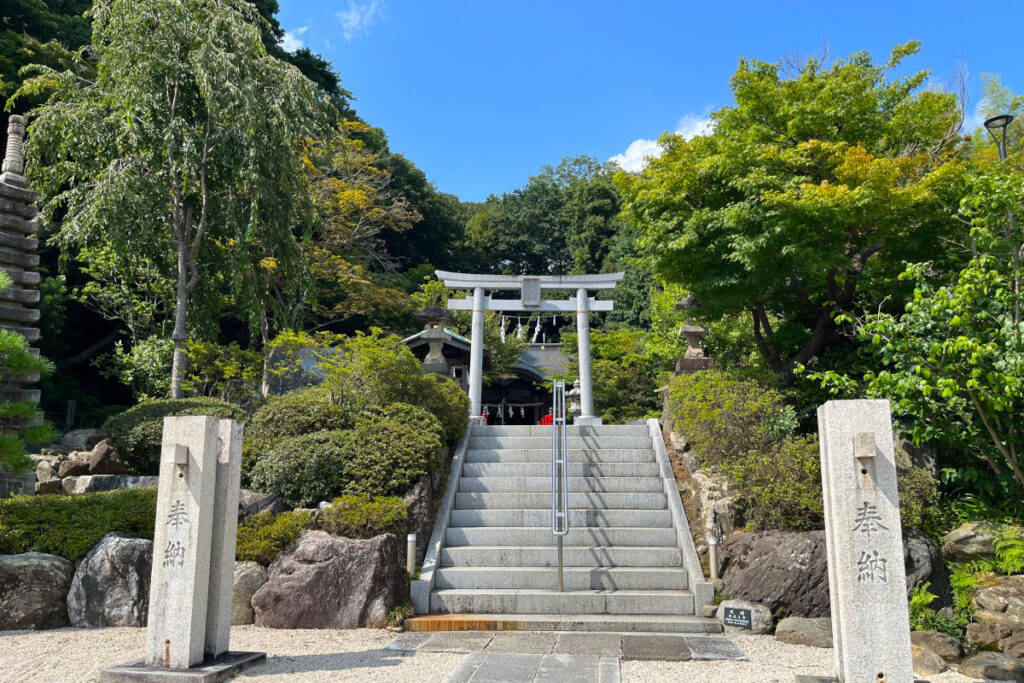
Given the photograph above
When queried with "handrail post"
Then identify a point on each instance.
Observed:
(559, 477)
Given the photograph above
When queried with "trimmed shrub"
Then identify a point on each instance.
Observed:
(136, 433)
(296, 413)
(361, 516)
(782, 486)
(391, 448)
(304, 470)
(444, 399)
(264, 535)
(372, 371)
(919, 502)
(69, 526)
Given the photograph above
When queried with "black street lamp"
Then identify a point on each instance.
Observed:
(999, 124)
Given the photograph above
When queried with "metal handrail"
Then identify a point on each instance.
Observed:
(559, 475)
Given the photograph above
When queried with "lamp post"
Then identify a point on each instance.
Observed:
(996, 125)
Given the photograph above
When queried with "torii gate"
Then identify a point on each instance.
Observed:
(530, 287)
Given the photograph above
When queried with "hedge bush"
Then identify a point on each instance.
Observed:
(443, 398)
(391, 448)
(304, 470)
(782, 486)
(69, 526)
(362, 516)
(136, 433)
(299, 412)
(723, 415)
(264, 535)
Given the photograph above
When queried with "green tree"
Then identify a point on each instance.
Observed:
(953, 362)
(186, 143)
(805, 200)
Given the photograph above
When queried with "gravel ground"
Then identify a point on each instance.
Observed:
(72, 654)
(770, 661)
(311, 655)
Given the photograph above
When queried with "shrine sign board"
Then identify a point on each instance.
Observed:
(737, 617)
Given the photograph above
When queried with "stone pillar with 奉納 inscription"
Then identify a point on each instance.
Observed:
(192, 582)
(867, 582)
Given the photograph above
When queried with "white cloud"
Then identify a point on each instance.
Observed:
(292, 40)
(641, 150)
(359, 17)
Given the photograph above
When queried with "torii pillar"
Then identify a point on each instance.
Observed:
(530, 287)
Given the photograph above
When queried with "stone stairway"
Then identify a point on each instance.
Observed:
(494, 567)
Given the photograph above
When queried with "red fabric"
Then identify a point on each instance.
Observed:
(547, 419)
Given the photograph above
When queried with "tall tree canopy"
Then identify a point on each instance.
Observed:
(813, 188)
(188, 142)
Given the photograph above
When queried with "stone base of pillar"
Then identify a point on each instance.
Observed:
(216, 669)
(478, 420)
(587, 420)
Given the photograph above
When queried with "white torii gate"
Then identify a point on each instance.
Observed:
(530, 287)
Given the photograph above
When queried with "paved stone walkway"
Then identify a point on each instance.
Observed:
(553, 657)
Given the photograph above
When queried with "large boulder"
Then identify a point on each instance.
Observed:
(73, 468)
(111, 585)
(94, 483)
(33, 591)
(249, 576)
(923, 562)
(252, 503)
(82, 439)
(801, 631)
(945, 646)
(788, 570)
(761, 619)
(419, 504)
(104, 460)
(46, 471)
(970, 541)
(326, 581)
(926, 662)
(994, 666)
(999, 600)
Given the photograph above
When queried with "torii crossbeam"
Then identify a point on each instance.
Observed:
(530, 299)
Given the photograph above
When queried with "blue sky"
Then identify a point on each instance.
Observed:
(481, 94)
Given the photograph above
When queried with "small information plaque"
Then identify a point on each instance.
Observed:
(737, 617)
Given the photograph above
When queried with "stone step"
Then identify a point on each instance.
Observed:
(573, 578)
(572, 556)
(575, 469)
(572, 442)
(574, 457)
(580, 536)
(614, 623)
(541, 601)
(573, 484)
(571, 430)
(577, 518)
(505, 501)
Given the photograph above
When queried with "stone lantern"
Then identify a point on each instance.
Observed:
(436, 336)
(695, 358)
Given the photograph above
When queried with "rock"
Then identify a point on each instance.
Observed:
(33, 591)
(82, 439)
(68, 485)
(111, 585)
(48, 487)
(944, 646)
(784, 570)
(325, 581)
(926, 662)
(715, 499)
(249, 576)
(923, 562)
(45, 471)
(988, 635)
(677, 441)
(104, 460)
(419, 505)
(970, 541)
(801, 631)
(760, 616)
(1013, 645)
(107, 482)
(73, 468)
(999, 599)
(993, 666)
(788, 570)
(272, 504)
(709, 611)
